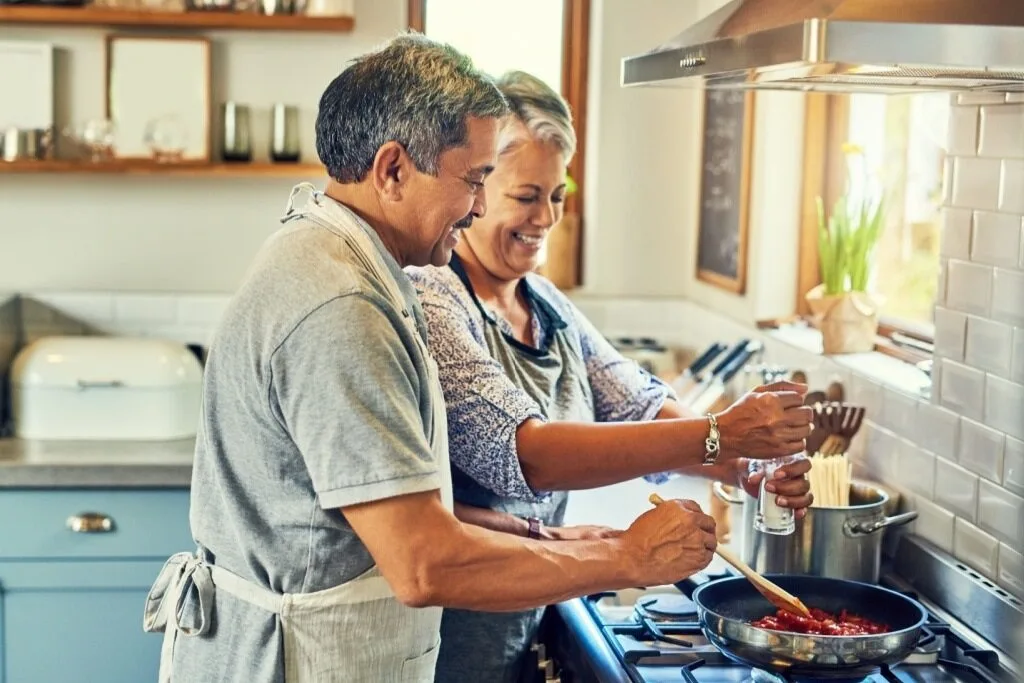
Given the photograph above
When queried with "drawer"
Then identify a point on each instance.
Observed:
(122, 523)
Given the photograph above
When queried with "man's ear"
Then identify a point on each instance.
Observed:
(391, 171)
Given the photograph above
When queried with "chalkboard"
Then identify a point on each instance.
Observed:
(725, 188)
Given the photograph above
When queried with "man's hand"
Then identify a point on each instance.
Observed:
(670, 542)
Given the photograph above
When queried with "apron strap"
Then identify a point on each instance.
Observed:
(165, 604)
(289, 207)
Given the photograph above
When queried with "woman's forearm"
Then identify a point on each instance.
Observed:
(492, 519)
(673, 410)
(563, 456)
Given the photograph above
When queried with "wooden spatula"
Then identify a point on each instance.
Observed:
(773, 593)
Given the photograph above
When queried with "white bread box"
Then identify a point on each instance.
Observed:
(105, 388)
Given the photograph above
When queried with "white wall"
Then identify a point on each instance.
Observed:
(641, 145)
(171, 234)
(643, 163)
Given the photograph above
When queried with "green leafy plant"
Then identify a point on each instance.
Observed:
(847, 239)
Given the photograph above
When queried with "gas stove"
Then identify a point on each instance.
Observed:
(653, 636)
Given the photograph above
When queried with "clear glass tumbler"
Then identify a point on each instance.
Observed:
(772, 518)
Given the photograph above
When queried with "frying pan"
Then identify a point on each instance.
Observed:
(727, 606)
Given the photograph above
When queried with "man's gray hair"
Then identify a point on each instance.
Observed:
(414, 91)
(544, 112)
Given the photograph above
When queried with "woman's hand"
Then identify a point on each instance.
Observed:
(767, 423)
(582, 532)
(789, 482)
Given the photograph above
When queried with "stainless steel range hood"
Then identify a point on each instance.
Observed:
(845, 46)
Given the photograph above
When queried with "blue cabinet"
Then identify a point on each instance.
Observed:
(75, 567)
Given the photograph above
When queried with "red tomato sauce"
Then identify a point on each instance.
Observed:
(821, 623)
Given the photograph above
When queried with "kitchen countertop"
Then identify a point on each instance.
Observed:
(116, 464)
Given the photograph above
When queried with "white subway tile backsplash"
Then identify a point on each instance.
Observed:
(941, 286)
(863, 392)
(938, 430)
(145, 308)
(201, 310)
(968, 287)
(980, 97)
(1004, 406)
(963, 131)
(898, 410)
(956, 489)
(956, 233)
(976, 183)
(1011, 570)
(916, 469)
(955, 240)
(950, 333)
(934, 524)
(981, 449)
(94, 309)
(1017, 356)
(882, 454)
(1013, 465)
(1008, 296)
(963, 389)
(1011, 197)
(999, 513)
(996, 238)
(989, 345)
(1002, 131)
(975, 548)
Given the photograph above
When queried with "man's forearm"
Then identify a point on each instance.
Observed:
(438, 560)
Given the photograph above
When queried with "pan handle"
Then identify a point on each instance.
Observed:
(854, 527)
(690, 585)
(719, 490)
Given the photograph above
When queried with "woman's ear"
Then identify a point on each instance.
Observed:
(391, 171)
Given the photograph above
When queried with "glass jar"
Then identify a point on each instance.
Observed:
(772, 518)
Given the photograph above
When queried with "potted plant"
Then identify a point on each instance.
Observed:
(843, 307)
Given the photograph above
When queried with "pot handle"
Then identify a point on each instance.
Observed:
(719, 490)
(855, 527)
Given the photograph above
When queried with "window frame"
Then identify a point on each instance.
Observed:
(827, 120)
(575, 64)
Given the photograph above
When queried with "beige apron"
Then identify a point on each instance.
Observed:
(357, 632)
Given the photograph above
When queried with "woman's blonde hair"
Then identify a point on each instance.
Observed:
(543, 112)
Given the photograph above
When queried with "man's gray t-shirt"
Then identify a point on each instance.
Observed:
(316, 396)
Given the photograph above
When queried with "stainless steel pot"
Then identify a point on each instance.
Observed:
(837, 543)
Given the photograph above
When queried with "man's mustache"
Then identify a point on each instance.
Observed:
(465, 222)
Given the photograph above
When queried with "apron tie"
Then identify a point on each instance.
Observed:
(165, 604)
(289, 207)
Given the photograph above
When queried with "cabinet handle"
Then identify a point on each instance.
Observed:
(90, 523)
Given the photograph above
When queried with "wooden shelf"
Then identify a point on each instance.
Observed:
(230, 21)
(188, 169)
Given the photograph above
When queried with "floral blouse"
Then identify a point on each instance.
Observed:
(485, 407)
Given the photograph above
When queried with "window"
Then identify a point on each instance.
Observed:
(904, 139)
(495, 35)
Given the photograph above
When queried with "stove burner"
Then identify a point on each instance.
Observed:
(760, 676)
(668, 606)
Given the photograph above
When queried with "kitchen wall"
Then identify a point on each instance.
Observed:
(76, 232)
(643, 163)
(958, 456)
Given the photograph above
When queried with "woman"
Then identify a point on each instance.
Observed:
(526, 377)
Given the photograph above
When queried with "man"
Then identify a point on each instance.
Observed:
(321, 493)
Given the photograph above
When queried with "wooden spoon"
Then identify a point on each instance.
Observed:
(773, 593)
